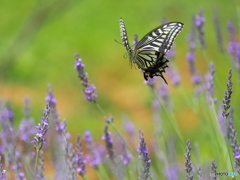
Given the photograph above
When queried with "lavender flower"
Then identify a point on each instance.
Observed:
(231, 30)
(171, 53)
(3, 172)
(9, 112)
(42, 128)
(144, 156)
(107, 137)
(200, 175)
(210, 83)
(151, 81)
(188, 163)
(69, 154)
(89, 91)
(214, 169)
(232, 135)
(125, 156)
(109, 119)
(196, 78)
(199, 22)
(129, 127)
(174, 76)
(227, 96)
(8, 136)
(26, 127)
(94, 156)
(19, 173)
(80, 161)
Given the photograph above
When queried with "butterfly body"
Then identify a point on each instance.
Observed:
(149, 53)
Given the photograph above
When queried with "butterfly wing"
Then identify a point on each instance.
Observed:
(123, 33)
(161, 38)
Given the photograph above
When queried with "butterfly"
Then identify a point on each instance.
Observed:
(149, 53)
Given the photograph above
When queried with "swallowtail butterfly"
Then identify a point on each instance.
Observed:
(149, 53)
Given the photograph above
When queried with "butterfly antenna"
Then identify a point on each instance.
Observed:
(119, 42)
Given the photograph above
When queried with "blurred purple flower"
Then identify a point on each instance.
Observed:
(144, 156)
(188, 163)
(107, 137)
(42, 129)
(80, 161)
(27, 126)
(109, 119)
(231, 30)
(150, 81)
(200, 175)
(210, 83)
(94, 154)
(199, 22)
(89, 91)
(129, 127)
(174, 76)
(196, 78)
(172, 172)
(125, 156)
(171, 53)
(8, 112)
(19, 173)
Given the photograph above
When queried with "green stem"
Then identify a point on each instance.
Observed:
(36, 160)
(172, 118)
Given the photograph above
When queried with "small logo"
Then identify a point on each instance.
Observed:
(212, 174)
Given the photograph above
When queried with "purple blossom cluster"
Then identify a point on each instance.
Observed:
(89, 89)
(145, 158)
(196, 78)
(199, 22)
(188, 163)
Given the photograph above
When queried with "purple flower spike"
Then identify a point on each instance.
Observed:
(107, 137)
(26, 127)
(214, 169)
(231, 30)
(210, 83)
(80, 161)
(94, 156)
(144, 156)
(188, 163)
(199, 22)
(90, 93)
(174, 76)
(42, 129)
(232, 136)
(89, 89)
(227, 96)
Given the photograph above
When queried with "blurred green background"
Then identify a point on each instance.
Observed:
(39, 39)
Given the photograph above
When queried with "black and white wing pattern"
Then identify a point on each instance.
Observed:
(149, 52)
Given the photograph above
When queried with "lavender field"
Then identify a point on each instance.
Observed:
(188, 129)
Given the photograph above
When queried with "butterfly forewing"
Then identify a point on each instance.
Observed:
(124, 36)
(161, 38)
